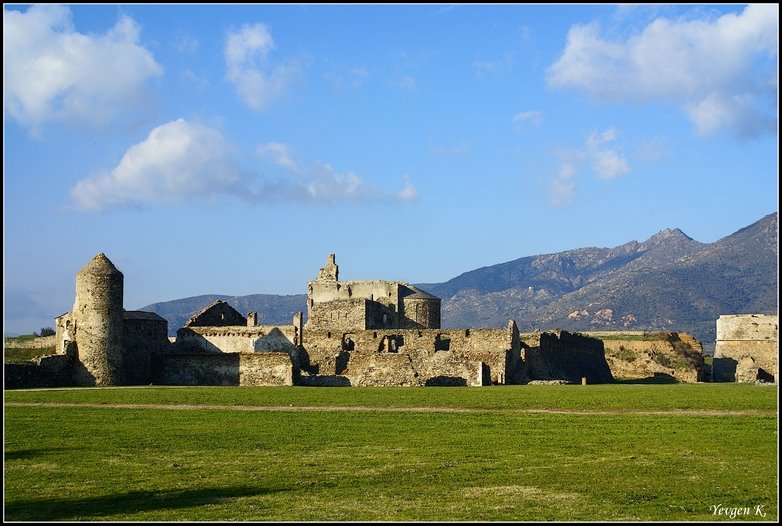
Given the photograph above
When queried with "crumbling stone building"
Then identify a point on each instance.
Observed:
(358, 333)
(371, 304)
(747, 348)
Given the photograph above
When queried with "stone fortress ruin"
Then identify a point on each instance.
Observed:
(747, 348)
(357, 333)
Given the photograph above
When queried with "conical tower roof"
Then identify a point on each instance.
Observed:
(100, 265)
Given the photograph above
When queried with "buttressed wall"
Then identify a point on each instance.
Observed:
(747, 348)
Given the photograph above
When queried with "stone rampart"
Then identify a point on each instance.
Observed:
(560, 355)
(237, 339)
(459, 351)
(45, 371)
(258, 369)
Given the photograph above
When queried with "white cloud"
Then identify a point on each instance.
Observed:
(320, 183)
(279, 153)
(182, 161)
(609, 164)
(606, 162)
(52, 72)
(533, 118)
(720, 71)
(177, 161)
(257, 81)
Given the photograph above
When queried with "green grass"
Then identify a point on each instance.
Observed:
(16, 355)
(494, 463)
(593, 397)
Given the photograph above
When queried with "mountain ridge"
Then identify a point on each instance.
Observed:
(668, 282)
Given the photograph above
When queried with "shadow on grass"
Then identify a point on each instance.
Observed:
(24, 454)
(658, 378)
(54, 509)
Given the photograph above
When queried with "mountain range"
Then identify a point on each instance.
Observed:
(669, 282)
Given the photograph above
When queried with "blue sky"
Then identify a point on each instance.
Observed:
(229, 149)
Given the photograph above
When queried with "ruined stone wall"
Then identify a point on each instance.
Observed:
(60, 332)
(747, 327)
(338, 315)
(747, 348)
(560, 355)
(258, 369)
(217, 313)
(331, 352)
(143, 338)
(386, 292)
(353, 305)
(420, 313)
(45, 371)
(237, 339)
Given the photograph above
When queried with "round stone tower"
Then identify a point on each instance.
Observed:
(98, 319)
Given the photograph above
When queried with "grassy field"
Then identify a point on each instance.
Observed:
(602, 452)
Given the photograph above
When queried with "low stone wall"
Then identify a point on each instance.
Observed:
(46, 371)
(416, 368)
(745, 361)
(236, 339)
(747, 348)
(274, 368)
(560, 355)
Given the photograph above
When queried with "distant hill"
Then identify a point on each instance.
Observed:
(668, 282)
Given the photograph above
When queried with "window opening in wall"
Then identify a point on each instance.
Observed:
(467, 332)
(442, 344)
(385, 319)
(328, 334)
(374, 335)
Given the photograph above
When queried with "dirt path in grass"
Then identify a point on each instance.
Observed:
(292, 408)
